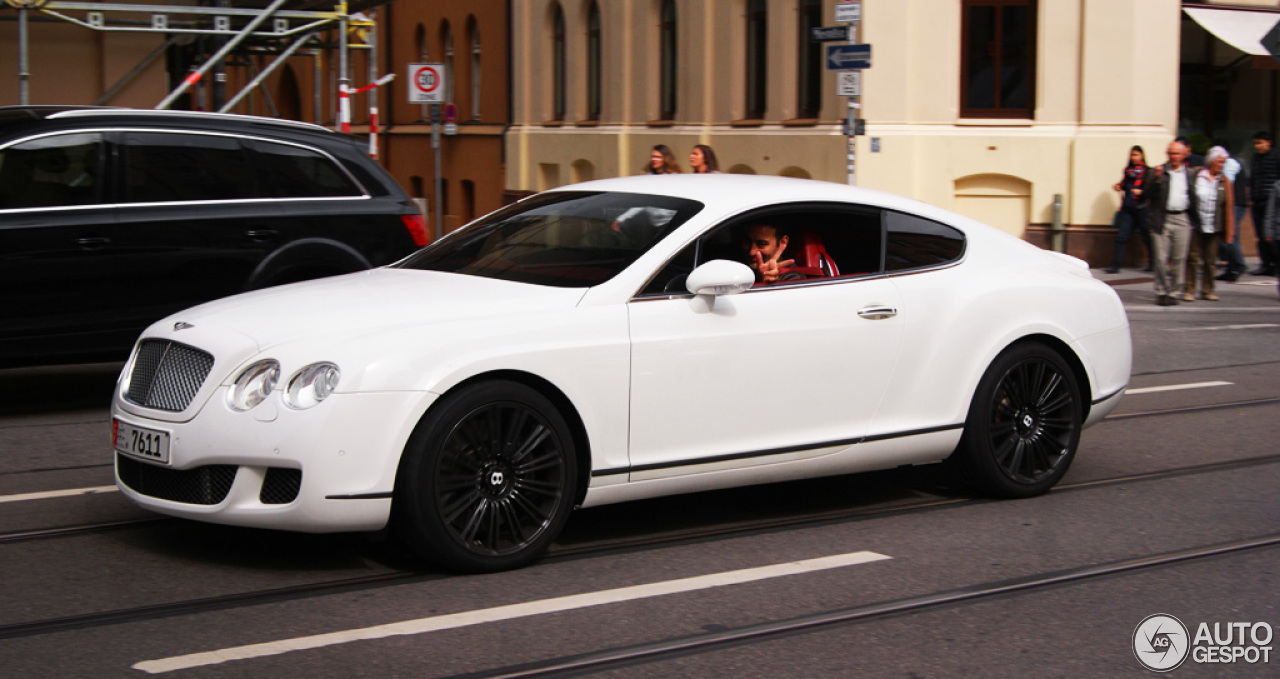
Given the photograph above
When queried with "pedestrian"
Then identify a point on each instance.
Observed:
(1264, 170)
(1133, 207)
(1215, 204)
(1170, 218)
(702, 160)
(661, 161)
(1230, 249)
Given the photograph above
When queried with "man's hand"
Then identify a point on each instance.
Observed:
(768, 268)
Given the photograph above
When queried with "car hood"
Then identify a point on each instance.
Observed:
(368, 302)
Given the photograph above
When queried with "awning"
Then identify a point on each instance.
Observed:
(1240, 28)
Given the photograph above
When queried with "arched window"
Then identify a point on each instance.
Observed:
(473, 37)
(594, 48)
(667, 77)
(757, 57)
(446, 46)
(809, 79)
(558, 83)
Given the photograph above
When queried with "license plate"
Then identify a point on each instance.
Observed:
(147, 444)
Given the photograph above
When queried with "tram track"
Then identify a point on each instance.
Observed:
(556, 554)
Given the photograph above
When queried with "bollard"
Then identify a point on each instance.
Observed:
(1059, 233)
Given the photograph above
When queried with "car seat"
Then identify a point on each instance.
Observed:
(810, 255)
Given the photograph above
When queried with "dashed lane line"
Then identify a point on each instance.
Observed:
(48, 494)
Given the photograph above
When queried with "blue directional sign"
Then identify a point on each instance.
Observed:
(848, 57)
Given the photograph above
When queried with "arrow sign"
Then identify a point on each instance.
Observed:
(829, 33)
(848, 57)
(1271, 41)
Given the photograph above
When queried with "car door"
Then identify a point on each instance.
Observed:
(55, 231)
(762, 376)
(194, 220)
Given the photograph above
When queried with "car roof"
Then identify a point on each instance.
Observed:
(732, 192)
(80, 116)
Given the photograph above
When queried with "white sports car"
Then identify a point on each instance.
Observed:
(622, 339)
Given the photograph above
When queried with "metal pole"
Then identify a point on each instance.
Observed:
(248, 30)
(344, 75)
(435, 144)
(280, 60)
(372, 40)
(24, 93)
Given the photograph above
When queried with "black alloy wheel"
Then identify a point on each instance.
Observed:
(488, 479)
(1024, 423)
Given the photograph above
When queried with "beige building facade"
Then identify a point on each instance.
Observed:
(1080, 82)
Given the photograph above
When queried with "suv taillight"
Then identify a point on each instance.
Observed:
(416, 225)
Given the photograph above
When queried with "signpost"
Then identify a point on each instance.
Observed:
(848, 61)
(829, 33)
(428, 84)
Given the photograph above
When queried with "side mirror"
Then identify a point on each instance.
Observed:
(720, 277)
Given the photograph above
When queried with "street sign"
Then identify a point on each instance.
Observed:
(848, 57)
(849, 83)
(1271, 41)
(849, 11)
(427, 83)
(450, 114)
(830, 33)
(855, 128)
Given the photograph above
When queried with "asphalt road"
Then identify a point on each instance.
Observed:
(1170, 508)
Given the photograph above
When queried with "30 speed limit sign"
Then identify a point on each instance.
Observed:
(427, 83)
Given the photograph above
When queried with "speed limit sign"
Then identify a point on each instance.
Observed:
(427, 83)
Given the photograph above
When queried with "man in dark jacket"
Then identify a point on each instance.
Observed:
(1171, 215)
(1264, 171)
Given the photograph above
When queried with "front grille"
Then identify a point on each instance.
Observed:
(166, 375)
(207, 485)
(281, 486)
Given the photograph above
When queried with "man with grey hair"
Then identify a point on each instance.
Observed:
(1171, 215)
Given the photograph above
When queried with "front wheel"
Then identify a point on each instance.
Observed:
(1024, 423)
(488, 479)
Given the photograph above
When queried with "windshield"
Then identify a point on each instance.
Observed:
(561, 239)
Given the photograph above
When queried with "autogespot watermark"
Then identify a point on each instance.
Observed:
(1162, 643)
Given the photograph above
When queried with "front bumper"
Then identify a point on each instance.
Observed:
(241, 468)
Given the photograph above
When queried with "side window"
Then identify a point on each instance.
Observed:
(822, 241)
(298, 172)
(164, 167)
(54, 171)
(915, 242)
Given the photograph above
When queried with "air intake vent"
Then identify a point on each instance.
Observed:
(207, 485)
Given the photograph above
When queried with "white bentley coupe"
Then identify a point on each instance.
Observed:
(622, 339)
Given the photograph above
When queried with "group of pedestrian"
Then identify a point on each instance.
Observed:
(702, 160)
(1188, 213)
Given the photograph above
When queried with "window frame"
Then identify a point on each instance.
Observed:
(756, 60)
(999, 110)
(809, 60)
(668, 60)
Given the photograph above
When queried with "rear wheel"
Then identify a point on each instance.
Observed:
(1024, 423)
(488, 479)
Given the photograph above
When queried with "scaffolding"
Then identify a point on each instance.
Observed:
(239, 33)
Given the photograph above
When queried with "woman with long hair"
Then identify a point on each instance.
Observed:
(661, 161)
(702, 160)
(1133, 206)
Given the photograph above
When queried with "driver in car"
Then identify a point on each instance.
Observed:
(763, 245)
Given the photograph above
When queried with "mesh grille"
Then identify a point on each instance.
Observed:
(207, 485)
(166, 375)
(281, 486)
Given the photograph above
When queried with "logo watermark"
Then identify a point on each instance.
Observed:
(1162, 643)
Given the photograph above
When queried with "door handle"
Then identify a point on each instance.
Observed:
(262, 235)
(877, 313)
(93, 242)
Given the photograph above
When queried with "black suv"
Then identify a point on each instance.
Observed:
(113, 218)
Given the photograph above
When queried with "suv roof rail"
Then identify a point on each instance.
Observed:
(164, 113)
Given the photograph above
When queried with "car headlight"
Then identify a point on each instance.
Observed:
(254, 385)
(311, 385)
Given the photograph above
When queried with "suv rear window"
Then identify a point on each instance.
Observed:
(298, 172)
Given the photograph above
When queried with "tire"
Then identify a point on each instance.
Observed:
(1024, 424)
(488, 479)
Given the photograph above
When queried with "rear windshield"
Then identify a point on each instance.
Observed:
(559, 239)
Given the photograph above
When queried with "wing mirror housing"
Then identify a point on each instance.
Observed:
(720, 277)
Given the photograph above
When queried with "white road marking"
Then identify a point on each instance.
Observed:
(1244, 326)
(70, 492)
(1177, 387)
(510, 612)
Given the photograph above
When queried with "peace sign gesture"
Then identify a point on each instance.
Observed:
(768, 268)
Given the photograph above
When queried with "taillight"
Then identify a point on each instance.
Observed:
(416, 225)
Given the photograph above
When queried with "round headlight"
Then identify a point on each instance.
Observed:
(253, 385)
(311, 385)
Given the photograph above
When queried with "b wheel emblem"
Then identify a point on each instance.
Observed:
(1027, 421)
(496, 479)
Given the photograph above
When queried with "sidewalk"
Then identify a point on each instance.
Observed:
(1249, 292)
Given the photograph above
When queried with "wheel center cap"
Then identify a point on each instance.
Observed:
(496, 479)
